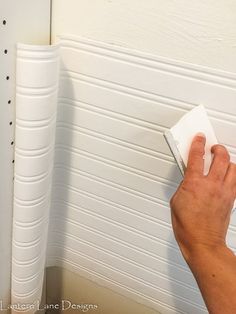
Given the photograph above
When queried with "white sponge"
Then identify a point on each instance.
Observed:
(183, 132)
(180, 136)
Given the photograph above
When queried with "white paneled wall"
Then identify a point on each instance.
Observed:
(114, 174)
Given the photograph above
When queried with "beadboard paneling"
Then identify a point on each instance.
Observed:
(114, 174)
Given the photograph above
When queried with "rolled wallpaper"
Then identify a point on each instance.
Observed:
(37, 78)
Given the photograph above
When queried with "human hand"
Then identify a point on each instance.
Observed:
(201, 206)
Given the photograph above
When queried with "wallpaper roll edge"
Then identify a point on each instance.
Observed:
(37, 76)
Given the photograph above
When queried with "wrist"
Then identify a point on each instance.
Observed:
(201, 252)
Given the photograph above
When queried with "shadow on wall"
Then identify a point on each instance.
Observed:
(186, 295)
(58, 226)
(175, 258)
(54, 284)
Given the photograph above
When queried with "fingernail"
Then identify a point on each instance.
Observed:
(200, 134)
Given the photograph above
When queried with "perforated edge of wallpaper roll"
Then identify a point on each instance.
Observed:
(37, 78)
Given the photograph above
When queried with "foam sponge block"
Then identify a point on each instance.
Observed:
(183, 132)
(180, 136)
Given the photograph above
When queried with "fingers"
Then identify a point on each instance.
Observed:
(220, 162)
(230, 177)
(195, 164)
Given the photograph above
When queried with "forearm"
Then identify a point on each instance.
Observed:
(215, 273)
(200, 212)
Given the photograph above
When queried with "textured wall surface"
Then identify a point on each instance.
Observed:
(201, 32)
(114, 174)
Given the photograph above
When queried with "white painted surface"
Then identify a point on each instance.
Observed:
(114, 174)
(195, 121)
(201, 32)
(113, 113)
(37, 74)
(26, 21)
